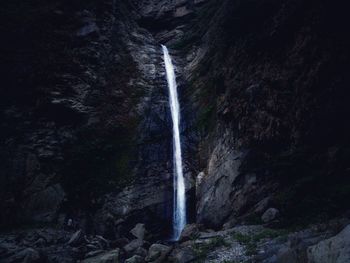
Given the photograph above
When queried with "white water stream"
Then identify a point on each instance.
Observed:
(179, 218)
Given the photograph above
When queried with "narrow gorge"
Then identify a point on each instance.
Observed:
(174, 131)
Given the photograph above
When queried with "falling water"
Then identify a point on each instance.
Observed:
(179, 218)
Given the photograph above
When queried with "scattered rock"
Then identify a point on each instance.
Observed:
(183, 255)
(135, 259)
(120, 242)
(133, 245)
(157, 253)
(102, 241)
(333, 250)
(94, 253)
(270, 215)
(108, 257)
(139, 231)
(141, 252)
(190, 231)
(76, 239)
(27, 255)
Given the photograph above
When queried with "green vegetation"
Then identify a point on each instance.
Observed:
(203, 249)
(251, 241)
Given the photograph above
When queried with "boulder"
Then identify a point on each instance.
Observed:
(183, 255)
(141, 252)
(333, 250)
(190, 231)
(157, 253)
(182, 11)
(139, 231)
(108, 257)
(270, 215)
(260, 207)
(133, 245)
(135, 259)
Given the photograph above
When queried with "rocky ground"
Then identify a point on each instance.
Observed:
(320, 243)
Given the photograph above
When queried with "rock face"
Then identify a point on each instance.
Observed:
(256, 95)
(215, 192)
(332, 250)
(94, 127)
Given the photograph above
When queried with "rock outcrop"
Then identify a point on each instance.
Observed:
(333, 250)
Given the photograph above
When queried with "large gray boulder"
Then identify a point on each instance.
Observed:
(133, 245)
(108, 257)
(139, 231)
(190, 231)
(333, 250)
(215, 192)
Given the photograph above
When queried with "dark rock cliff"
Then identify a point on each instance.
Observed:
(269, 80)
(84, 109)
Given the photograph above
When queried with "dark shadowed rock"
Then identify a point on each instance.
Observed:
(141, 252)
(157, 253)
(215, 193)
(333, 250)
(27, 255)
(138, 231)
(183, 255)
(190, 231)
(270, 215)
(108, 257)
(43, 206)
(133, 245)
(135, 259)
(76, 239)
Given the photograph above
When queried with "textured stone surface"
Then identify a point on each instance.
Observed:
(270, 215)
(333, 250)
(138, 231)
(215, 192)
(109, 257)
(157, 253)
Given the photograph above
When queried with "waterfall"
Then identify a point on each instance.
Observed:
(179, 215)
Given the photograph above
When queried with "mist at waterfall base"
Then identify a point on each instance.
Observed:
(179, 204)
